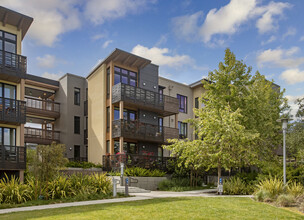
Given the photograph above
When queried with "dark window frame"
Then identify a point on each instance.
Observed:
(77, 96)
(180, 100)
(76, 130)
(185, 126)
(2, 135)
(108, 119)
(196, 103)
(108, 81)
(3, 89)
(127, 75)
(77, 146)
(2, 37)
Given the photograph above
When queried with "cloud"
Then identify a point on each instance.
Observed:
(280, 57)
(106, 44)
(163, 39)
(161, 56)
(51, 18)
(48, 61)
(291, 101)
(293, 76)
(99, 11)
(228, 19)
(290, 32)
(54, 76)
(98, 37)
(302, 38)
(271, 39)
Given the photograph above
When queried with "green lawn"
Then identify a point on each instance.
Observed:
(168, 208)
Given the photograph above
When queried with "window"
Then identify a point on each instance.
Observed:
(108, 83)
(160, 124)
(108, 147)
(128, 115)
(8, 136)
(124, 76)
(76, 125)
(182, 103)
(130, 148)
(77, 152)
(108, 119)
(76, 96)
(182, 127)
(7, 91)
(8, 42)
(196, 103)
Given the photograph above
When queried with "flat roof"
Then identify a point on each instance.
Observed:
(124, 58)
(21, 21)
(42, 80)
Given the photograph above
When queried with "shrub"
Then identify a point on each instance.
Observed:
(174, 184)
(262, 196)
(84, 165)
(138, 171)
(36, 187)
(295, 189)
(101, 182)
(272, 187)
(236, 186)
(14, 192)
(60, 188)
(285, 200)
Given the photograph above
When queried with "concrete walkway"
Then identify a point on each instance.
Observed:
(138, 196)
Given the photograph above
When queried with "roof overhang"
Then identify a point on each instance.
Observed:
(198, 83)
(125, 58)
(22, 22)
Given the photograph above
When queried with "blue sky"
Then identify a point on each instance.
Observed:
(185, 38)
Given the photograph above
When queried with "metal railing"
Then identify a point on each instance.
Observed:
(12, 110)
(140, 96)
(12, 157)
(112, 162)
(13, 61)
(40, 104)
(37, 133)
(79, 159)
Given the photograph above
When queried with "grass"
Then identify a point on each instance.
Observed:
(187, 188)
(167, 208)
(55, 201)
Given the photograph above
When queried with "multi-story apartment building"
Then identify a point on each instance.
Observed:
(13, 71)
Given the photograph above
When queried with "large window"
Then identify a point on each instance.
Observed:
(196, 103)
(124, 76)
(182, 127)
(7, 91)
(76, 96)
(8, 136)
(8, 42)
(128, 115)
(182, 103)
(76, 125)
(108, 119)
(76, 152)
(108, 83)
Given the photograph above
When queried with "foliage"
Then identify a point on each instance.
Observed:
(178, 185)
(300, 103)
(285, 200)
(12, 191)
(46, 160)
(60, 187)
(138, 171)
(270, 188)
(295, 140)
(84, 165)
(295, 189)
(236, 186)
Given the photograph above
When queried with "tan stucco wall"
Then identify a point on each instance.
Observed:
(13, 30)
(97, 115)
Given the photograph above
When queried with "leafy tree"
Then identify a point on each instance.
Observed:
(46, 160)
(295, 140)
(238, 123)
(300, 103)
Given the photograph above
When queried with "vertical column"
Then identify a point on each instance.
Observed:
(121, 139)
(22, 93)
(176, 120)
(111, 107)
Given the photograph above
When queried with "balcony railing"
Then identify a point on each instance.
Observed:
(13, 65)
(142, 131)
(41, 136)
(12, 111)
(112, 162)
(12, 157)
(42, 107)
(145, 99)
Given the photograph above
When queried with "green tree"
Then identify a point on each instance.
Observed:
(238, 123)
(295, 140)
(45, 161)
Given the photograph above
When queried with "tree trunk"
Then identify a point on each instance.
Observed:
(219, 174)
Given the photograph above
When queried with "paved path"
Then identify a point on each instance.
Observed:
(138, 196)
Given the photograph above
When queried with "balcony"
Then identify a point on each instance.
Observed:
(142, 131)
(13, 67)
(12, 157)
(41, 136)
(42, 108)
(112, 162)
(12, 111)
(145, 99)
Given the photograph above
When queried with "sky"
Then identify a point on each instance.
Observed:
(187, 38)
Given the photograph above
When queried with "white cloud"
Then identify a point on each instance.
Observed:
(48, 61)
(54, 76)
(99, 11)
(51, 18)
(290, 32)
(98, 37)
(293, 76)
(280, 57)
(302, 38)
(291, 101)
(106, 44)
(162, 56)
(228, 19)
(271, 39)
(163, 39)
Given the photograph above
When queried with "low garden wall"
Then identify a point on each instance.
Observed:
(148, 183)
(72, 170)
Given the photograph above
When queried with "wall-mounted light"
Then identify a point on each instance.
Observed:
(154, 87)
(44, 94)
(154, 117)
(70, 149)
(144, 84)
(144, 115)
(144, 146)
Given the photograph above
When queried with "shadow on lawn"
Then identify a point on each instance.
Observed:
(88, 208)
